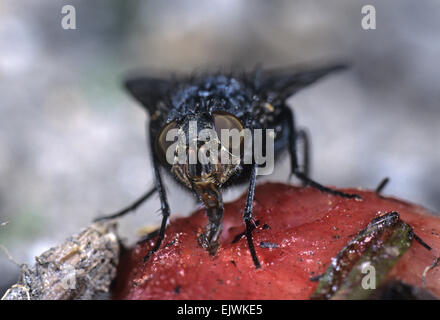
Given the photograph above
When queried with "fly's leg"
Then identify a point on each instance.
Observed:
(165, 208)
(420, 241)
(293, 134)
(303, 137)
(130, 208)
(248, 218)
(382, 185)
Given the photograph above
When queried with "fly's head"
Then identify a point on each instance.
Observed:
(203, 151)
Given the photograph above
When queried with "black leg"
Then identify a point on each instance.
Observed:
(302, 136)
(294, 160)
(382, 185)
(130, 208)
(240, 235)
(248, 218)
(420, 240)
(148, 236)
(165, 208)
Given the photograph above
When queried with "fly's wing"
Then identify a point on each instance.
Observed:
(148, 90)
(281, 84)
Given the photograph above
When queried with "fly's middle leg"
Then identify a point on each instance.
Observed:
(300, 174)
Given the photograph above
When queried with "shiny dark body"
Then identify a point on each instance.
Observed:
(258, 100)
(201, 96)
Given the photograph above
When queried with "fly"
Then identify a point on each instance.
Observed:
(254, 101)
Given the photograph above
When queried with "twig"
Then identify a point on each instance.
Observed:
(81, 268)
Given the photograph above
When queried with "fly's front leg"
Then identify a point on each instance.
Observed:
(165, 208)
(130, 208)
(381, 186)
(302, 136)
(248, 217)
(293, 134)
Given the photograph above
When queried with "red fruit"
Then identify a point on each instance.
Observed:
(299, 231)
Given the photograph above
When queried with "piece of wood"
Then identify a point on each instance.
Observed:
(83, 267)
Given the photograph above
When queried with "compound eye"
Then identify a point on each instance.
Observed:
(165, 139)
(224, 120)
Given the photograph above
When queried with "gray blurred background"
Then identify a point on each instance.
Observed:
(72, 142)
